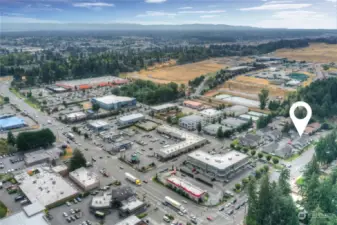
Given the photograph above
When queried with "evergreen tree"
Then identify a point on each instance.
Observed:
(283, 182)
(264, 202)
(253, 206)
(219, 133)
(11, 138)
(263, 97)
(199, 127)
(77, 160)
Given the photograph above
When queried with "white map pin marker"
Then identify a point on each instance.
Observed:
(300, 124)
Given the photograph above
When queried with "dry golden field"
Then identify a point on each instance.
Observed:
(170, 72)
(319, 53)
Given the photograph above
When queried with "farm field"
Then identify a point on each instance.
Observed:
(170, 72)
(319, 53)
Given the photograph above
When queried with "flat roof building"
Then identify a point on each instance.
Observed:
(130, 206)
(114, 102)
(218, 166)
(188, 142)
(190, 122)
(101, 202)
(194, 192)
(120, 194)
(85, 179)
(131, 220)
(237, 110)
(163, 107)
(211, 115)
(42, 185)
(21, 218)
(212, 129)
(60, 169)
(247, 117)
(12, 122)
(130, 119)
(91, 82)
(75, 116)
(41, 156)
(193, 104)
(98, 125)
(233, 122)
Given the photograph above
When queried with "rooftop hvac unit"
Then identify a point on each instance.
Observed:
(54, 182)
(230, 158)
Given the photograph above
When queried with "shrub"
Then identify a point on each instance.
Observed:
(238, 186)
(245, 149)
(260, 155)
(252, 152)
(245, 181)
(142, 215)
(268, 157)
(266, 168)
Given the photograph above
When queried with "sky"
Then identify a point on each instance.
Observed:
(306, 14)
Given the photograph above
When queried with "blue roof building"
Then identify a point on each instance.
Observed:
(11, 123)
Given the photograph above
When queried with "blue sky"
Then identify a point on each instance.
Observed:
(258, 13)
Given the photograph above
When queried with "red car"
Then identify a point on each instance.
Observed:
(209, 218)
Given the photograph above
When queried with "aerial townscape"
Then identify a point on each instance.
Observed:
(152, 122)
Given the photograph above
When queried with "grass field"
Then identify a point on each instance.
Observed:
(169, 72)
(319, 53)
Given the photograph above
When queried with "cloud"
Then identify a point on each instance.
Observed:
(156, 13)
(184, 8)
(18, 19)
(155, 1)
(208, 16)
(90, 5)
(277, 6)
(40, 7)
(202, 12)
(300, 19)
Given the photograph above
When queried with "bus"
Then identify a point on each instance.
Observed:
(99, 214)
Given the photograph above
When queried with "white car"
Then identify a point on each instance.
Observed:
(184, 201)
(65, 214)
(180, 213)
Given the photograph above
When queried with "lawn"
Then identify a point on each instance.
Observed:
(3, 210)
(3, 146)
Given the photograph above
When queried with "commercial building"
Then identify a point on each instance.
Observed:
(114, 102)
(211, 115)
(41, 156)
(188, 142)
(219, 167)
(193, 104)
(237, 110)
(75, 116)
(163, 107)
(43, 185)
(118, 146)
(60, 169)
(31, 214)
(11, 122)
(195, 193)
(239, 69)
(251, 140)
(131, 206)
(130, 119)
(57, 89)
(131, 220)
(212, 129)
(85, 179)
(101, 202)
(191, 122)
(248, 117)
(98, 125)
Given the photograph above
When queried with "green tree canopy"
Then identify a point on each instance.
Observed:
(77, 160)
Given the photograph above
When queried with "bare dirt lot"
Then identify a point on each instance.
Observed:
(170, 72)
(319, 53)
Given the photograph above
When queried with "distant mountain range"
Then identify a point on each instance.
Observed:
(117, 26)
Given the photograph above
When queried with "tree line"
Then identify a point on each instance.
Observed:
(34, 139)
(149, 92)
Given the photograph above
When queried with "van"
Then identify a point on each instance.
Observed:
(166, 219)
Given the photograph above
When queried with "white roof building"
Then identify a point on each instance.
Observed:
(131, 220)
(163, 107)
(131, 118)
(113, 99)
(186, 186)
(84, 178)
(236, 109)
(76, 116)
(211, 114)
(101, 202)
(44, 186)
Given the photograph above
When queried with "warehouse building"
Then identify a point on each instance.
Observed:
(57, 89)
(41, 156)
(131, 220)
(82, 84)
(76, 116)
(191, 122)
(85, 179)
(193, 104)
(219, 167)
(195, 193)
(236, 110)
(43, 185)
(130, 119)
(163, 107)
(98, 125)
(120, 194)
(11, 122)
(188, 142)
(114, 102)
(248, 117)
(211, 115)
